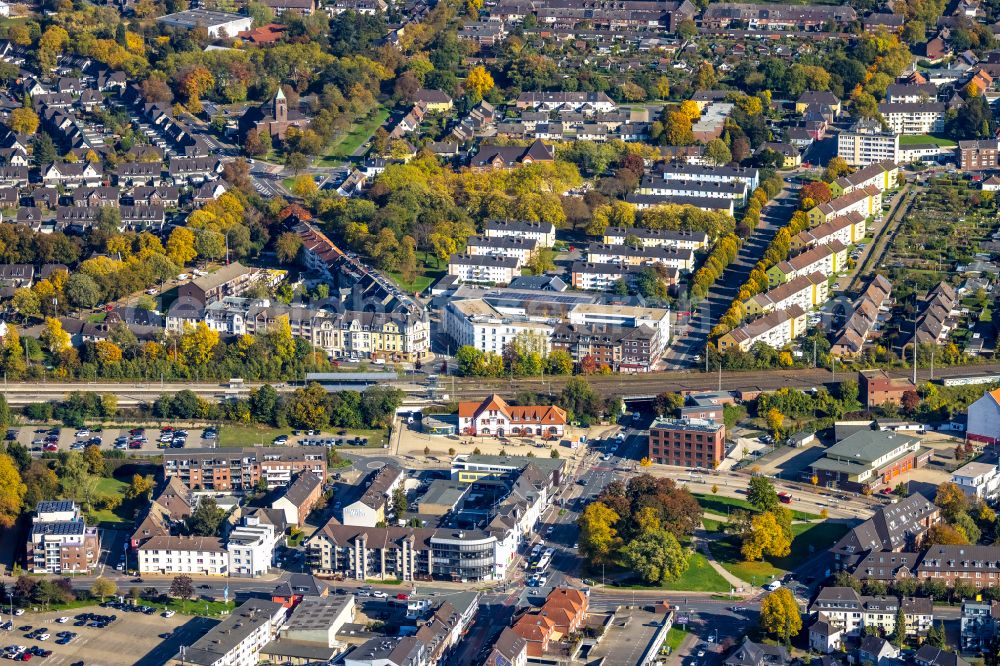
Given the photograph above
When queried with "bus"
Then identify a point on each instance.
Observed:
(544, 561)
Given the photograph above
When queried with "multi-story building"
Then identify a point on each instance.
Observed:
(890, 532)
(299, 498)
(975, 565)
(980, 481)
(979, 154)
(467, 468)
(388, 651)
(250, 547)
(709, 174)
(482, 269)
(494, 417)
(668, 238)
(867, 458)
(238, 639)
(851, 612)
(679, 259)
(900, 93)
(984, 419)
(60, 542)
(978, 624)
(775, 329)
(846, 229)
(595, 102)
(805, 291)
(241, 469)
(866, 201)
(591, 276)
(478, 324)
(623, 349)
(653, 185)
(827, 259)
(372, 507)
(184, 555)
(708, 204)
(687, 442)
(881, 175)
(543, 233)
(878, 388)
(867, 143)
(776, 17)
(913, 117)
(513, 247)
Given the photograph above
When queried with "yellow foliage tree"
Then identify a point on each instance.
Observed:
(478, 82)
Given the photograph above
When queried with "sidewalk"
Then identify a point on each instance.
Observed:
(741, 586)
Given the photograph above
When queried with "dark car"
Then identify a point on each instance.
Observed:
(11, 435)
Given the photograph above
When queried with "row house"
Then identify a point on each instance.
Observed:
(827, 259)
(806, 291)
(707, 204)
(845, 609)
(668, 238)
(681, 260)
(978, 566)
(72, 174)
(775, 329)
(881, 175)
(581, 102)
(96, 196)
(193, 169)
(157, 122)
(936, 318)
(131, 174)
(771, 17)
(167, 196)
(913, 117)
(870, 309)
(847, 230)
(543, 233)
(519, 249)
(866, 201)
(693, 188)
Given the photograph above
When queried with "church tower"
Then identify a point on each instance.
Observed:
(280, 106)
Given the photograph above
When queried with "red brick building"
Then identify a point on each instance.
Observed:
(876, 388)
(687, 442)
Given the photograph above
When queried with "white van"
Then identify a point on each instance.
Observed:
(773, 585)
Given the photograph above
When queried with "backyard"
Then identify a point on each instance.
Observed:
(808, 539)
(429, 270)
(113, 487)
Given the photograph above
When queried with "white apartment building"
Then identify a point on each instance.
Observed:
(775, 329)
(913, 117)
(251, 548)
(590, 276)
(668, 238)
(644, 201)
(167, 555)
(978, 480)
(60, 542)
(984, 419)
(600, 253)
(847, 610)
(520, 249)
(709, 174)
(544, 233)
(478, 324)
(867, 143)
(237, 640)
(846, 229)
(483, 269)
(805, 291)
(626, 316)
(652, 185)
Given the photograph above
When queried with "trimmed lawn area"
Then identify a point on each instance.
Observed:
(191, 606)
(711, 524)
(240, 435)
(722, 505)
(699, 577)
(124, 512)
(916, 139)
(675, 637)
(807, 540)
(429, 270)
(360, 132)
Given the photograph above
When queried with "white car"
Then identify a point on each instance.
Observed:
(19, 611)
(542, 580)
(62, 620)
(168, 613)
(773, 585)
(83, 433)
(379, 594)
(151, 292)
(43, 637)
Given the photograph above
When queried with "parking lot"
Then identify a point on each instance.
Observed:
(133, 638)
(44, 439)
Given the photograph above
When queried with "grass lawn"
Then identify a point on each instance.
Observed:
(348, 143)
(97, 318)
(191, 606)
(675, 637)
(109, 486)
(816, 536)
(722, 505)
(699, 577)
(250, 435)
(711, 524)
(429, 270)
(915, 139)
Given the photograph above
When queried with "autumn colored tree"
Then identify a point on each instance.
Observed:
(12, 491)
(195, 82)
(598, 536)
(478, 83)
(765, 536)
(779, 614)
(180, 246)
(54, 337)
(23, 120)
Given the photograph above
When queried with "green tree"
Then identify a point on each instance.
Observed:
(717, 151)
(182, 587)
(103, 588)
(761, 494)
(656, 556)
(598, 536)
(779, 614)
(899, 633)
(206, 519)
(399, 503)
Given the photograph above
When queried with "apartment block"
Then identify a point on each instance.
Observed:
(708, 204)
(867, 143)
(623, 349)
(543, 233)
(599, 253)
(687, 442)
(241, 469)
(483, 269)
(978, 155)
(250, 547)
(60, 542)
(238, 639)
(655, 185)
(512, 247)
(184, 555)
(976, 565)
(846, 229)
(913, 117)
(851, 612)
(805, 291)
(865, 201)
(668, 238)
(775, 329)
(882, 175)
(828, 259)
(978, 480)
(708, 174)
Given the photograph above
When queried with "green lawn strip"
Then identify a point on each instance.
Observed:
(124, 512)
(429, 270)
(360, 132)
(699, 577)
(818, 535)
(189, 607)
(917, 139)
(248, 435)
(722, 506)
(675, 637)
(712, 525)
